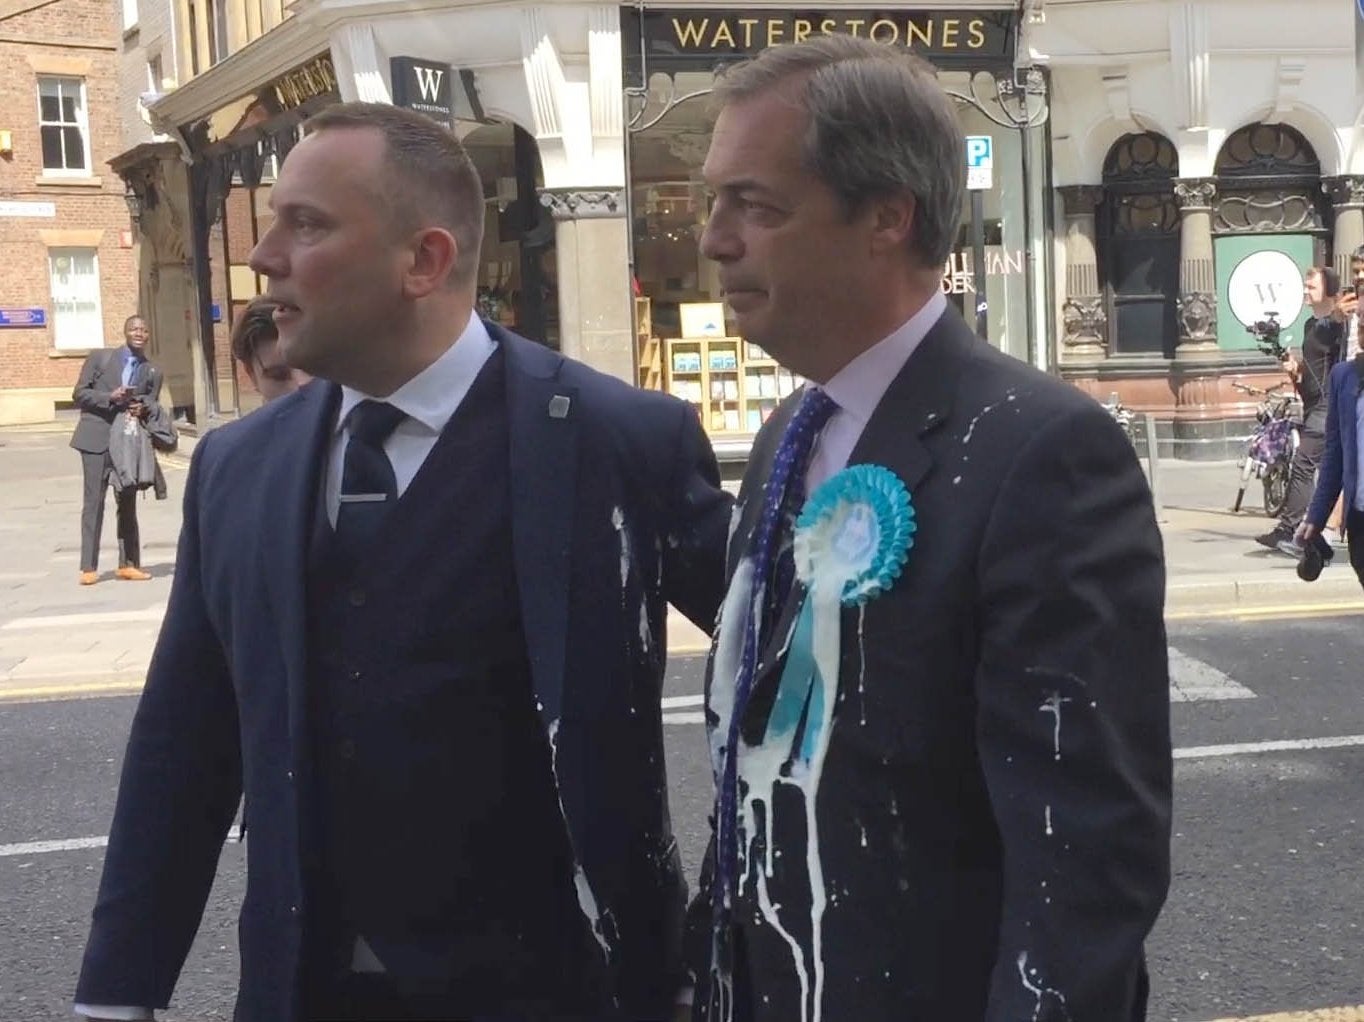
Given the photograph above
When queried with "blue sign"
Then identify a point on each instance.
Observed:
(980, 149)
(23, 317)
(216, 311)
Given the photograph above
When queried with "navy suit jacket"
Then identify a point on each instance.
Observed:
(616, 510)
(993, 809)
(1340, 458)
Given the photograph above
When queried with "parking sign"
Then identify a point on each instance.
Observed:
(980, 162)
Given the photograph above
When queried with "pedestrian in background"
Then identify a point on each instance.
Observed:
(255, 344)
(418, 618)
(111, 381)
(1323, 342)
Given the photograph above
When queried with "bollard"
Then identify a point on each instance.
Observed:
(1153, 464)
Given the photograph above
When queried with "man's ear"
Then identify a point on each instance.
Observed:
(892, 221)
(433, 255)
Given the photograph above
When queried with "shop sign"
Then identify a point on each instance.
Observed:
(424, 86)
(23, 317)
(308, 81)
(670, 40)
(1258, 275)
(24, 208)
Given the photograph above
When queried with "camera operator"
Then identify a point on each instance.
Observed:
(1323, 343)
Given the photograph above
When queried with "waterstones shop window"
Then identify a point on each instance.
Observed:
(63, 126)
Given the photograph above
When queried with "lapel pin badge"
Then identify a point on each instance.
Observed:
(558, 406)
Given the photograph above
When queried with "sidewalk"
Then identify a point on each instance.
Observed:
(60, 639)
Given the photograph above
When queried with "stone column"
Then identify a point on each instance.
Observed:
(1085, 313)
(1197, 281)
(592, 253)
(1347, 195)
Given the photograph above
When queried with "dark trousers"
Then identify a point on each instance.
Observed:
(97, 469)
(1354, 525)
(1303, 479)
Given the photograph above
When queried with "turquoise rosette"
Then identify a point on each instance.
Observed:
(855, 530)
(851, 542)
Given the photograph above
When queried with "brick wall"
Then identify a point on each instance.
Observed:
(94, 205)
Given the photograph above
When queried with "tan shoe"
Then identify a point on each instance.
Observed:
(89, 578)
(131, 574)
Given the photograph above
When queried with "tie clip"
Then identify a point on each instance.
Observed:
(363, 498)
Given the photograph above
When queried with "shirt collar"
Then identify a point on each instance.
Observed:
(431, 397)
(129, 355)
(859, 386)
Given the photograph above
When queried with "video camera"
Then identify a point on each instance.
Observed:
(1266, 333)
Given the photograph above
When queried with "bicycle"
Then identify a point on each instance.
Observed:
(1270, 449)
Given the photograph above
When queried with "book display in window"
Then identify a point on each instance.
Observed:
(734, 386)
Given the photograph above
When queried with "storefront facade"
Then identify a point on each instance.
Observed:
(1204, 156)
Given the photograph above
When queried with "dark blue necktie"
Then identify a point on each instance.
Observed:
(773, 574)
(368, 487)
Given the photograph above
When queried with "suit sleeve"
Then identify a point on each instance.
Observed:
(87, 396)
(178, 794)
(696, 526)
(1073, 724)
(1330, 477)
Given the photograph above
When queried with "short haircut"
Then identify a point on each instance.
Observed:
(1330, 279)
(254, 325)
(430, 179)
(135, 317)
(1357, 256)
(880, 125)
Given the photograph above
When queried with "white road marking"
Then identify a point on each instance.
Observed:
(1192, 681)
(1251, 748)
(108, 617)
(677, 702)
(684, 718)
(71, 844)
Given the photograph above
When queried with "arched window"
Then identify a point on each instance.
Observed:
(1269, 180)
(1139, 245)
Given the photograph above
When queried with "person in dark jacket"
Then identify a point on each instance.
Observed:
(113, 380)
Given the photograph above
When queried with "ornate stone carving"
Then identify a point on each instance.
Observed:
(1198, 317)
(1345, 191)
(1195, 193)
(584, 205)
(1080, 200)
(1085, 322)
(1282, 210)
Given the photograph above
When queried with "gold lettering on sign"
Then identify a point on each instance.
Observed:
(950, 29)
(776, 30)
(977, 30)
(828, 27)
(302, 84)
(722, 32)
(689, 34)
(802, 29)
(919, 35)
(748, 24)
(854, 24)
(892, 38)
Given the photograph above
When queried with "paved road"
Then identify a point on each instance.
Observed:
(1268, 844)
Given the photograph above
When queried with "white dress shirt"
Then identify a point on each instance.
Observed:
(860, 385)
(430, 399)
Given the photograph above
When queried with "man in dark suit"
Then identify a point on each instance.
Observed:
(113, 380)
(1342, 463)
(950, 798)
(419, 619)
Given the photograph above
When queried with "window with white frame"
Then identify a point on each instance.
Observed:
(77, 321)
(129, 14)
(64, 126)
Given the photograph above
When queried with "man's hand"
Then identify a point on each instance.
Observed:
(1306, 533)
(1346, 305)
(1292, 367)
(119, 395)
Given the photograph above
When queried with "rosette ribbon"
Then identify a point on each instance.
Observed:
(851, 542)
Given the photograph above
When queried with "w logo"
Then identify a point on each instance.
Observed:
(428, 82)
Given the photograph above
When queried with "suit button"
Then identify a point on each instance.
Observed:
(288, 775)
(356, 675)
(346, 748)
(357, 597)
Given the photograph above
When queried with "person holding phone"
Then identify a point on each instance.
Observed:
(1323, 340)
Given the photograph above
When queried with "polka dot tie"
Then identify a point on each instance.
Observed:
(773, 575)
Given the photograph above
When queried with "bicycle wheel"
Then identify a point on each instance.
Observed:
(1276, 488)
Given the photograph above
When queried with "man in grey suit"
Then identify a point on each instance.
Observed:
(113, 380)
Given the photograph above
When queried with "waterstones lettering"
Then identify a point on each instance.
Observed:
(673, 39)
(423, 86)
